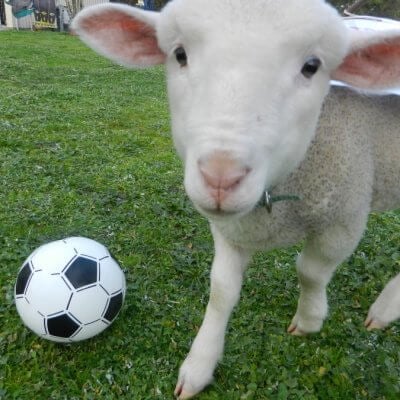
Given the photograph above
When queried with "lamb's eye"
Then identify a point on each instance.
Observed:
(311, 67)
(181, 56)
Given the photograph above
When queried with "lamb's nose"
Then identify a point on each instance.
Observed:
(222, 174)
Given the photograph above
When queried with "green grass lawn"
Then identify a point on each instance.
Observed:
(85, 150)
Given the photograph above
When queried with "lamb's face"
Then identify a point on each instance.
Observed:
(246, 82)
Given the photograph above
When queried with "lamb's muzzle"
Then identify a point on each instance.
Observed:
(222, 174)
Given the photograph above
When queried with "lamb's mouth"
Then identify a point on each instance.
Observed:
(219, 212)
(265, 201)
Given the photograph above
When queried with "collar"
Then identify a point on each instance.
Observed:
(267, 200)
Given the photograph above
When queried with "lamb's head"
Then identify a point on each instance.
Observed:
(246, 81)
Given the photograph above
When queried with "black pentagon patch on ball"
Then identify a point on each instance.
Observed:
(82, 272)
(62, 326)
(113, 307)
(23, 279)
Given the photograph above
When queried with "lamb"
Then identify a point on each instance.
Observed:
(272, 154)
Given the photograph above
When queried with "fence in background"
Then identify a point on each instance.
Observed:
(61, 16)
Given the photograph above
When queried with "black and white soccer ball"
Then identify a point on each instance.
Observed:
(69, 290)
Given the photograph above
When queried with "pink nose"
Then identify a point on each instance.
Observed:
(222, 174)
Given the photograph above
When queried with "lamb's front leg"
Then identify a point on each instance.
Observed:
(226, 281)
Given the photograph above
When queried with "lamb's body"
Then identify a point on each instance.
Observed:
(346, 174)
(246, 83)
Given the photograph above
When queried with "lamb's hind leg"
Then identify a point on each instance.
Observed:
(386, 308)
(315, 267)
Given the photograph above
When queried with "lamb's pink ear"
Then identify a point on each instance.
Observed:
(126, 35)
(373, 61)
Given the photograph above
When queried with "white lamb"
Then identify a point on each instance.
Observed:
(247, 82)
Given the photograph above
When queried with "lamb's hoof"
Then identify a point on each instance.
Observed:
(374, 323)
(194, 375)
(294, 330)
(181, 394)
(304, 326)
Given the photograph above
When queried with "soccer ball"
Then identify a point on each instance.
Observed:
(69, 290)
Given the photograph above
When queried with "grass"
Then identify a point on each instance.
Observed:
(85, 150)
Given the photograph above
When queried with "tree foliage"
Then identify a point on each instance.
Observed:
(160, 3)
(380, 8)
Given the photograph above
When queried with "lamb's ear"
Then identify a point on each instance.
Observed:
(373, 61)
(126, 35)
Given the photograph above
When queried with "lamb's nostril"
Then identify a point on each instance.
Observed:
(222, 172)
(223, 181)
